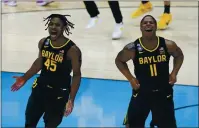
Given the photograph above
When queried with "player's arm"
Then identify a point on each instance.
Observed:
(37, 64)
(76, 59)
(126, 54)
(177, 53)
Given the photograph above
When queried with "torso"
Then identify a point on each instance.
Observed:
(152, 66)
(57, 66)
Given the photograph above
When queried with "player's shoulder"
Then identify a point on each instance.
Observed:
(74, 47)
(41, 42)
(131, 45)
(170, 43)
(71, 43)
(74, 52)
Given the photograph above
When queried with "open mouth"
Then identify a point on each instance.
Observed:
(149, 30)
(54, 34)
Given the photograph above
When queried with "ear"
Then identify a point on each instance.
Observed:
(63, 28)
(140, 27)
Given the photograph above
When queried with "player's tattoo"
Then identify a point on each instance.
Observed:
(130, 46)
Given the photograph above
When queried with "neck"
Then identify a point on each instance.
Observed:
(149, 38)
(59, 39)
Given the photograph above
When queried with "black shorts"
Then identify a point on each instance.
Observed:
(48, 101)
(152, 123)
(160, 103)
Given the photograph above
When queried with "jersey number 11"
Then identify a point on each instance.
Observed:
(153, 69)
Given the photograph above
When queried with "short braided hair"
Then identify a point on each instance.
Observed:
(63, 18)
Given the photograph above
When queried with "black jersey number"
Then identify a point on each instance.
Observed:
(153, 69)
(51, 65)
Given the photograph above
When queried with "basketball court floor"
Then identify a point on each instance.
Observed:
(104, 94)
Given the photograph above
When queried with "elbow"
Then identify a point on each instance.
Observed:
(119, 64)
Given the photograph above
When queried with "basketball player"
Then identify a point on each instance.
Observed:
(146, 6)
(58, 56)
(93, 11)
(152, 84)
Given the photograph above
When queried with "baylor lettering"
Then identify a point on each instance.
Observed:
(152, 59)
(52, 60)
(52, 56)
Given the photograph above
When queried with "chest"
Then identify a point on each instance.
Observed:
(158, 55)
(56, 55)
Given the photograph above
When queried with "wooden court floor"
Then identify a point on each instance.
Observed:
(23, 27)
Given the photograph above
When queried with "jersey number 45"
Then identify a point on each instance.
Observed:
(51, 65)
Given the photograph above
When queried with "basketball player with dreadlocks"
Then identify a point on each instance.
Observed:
(53, 92)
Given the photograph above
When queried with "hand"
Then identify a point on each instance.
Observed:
(69, 108)
(135, 84)
(20, 81)
(172, 79)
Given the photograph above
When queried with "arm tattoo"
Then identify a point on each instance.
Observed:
(130, 46)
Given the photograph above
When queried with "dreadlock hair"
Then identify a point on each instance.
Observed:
(63, 18)
(149, 16)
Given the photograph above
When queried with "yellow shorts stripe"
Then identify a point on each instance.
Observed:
(125, 120)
